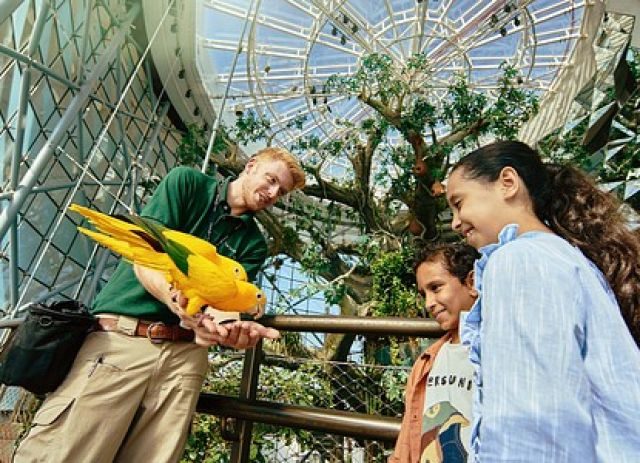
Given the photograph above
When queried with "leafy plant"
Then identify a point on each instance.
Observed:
(393, 288)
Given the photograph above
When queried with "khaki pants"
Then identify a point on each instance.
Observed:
(125, 400)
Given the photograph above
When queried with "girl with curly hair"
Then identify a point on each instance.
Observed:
(557, 368)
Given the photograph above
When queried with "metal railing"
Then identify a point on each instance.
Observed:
(239, 414)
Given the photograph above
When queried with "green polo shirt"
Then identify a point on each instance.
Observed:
(192, 202)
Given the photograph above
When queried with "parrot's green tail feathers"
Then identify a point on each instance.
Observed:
(150, 231)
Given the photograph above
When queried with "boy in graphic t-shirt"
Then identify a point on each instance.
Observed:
(437, 420)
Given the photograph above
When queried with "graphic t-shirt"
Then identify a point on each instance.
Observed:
(446, 421)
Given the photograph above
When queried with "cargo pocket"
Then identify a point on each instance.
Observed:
(52, 410)
(187, 391)
(44, 439)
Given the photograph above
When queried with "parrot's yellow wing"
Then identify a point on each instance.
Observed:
(139, 234)
(208, 250)
(114, 227)
(136, 255)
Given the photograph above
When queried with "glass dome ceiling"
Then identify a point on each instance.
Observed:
(274, 57)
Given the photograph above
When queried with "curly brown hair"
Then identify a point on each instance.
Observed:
(590, 219)
(457, 258)
(570, 203)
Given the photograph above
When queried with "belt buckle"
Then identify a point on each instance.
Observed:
(150, 336)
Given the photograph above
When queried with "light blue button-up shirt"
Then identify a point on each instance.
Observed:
(557, 371)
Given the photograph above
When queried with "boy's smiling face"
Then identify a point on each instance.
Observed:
(444, 294)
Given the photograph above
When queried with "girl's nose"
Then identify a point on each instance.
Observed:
(455, 222)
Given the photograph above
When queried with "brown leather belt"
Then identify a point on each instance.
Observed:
(156, 332)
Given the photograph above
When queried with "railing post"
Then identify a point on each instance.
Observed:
(248, 388)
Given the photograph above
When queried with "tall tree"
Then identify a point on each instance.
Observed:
(391, 196)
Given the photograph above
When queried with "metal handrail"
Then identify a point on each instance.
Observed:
(350, 424)
(247, 410)
(390, 326)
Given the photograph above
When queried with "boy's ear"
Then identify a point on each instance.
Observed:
(469, 282)
(509, 182)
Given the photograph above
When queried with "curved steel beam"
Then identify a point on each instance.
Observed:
(23, 103)
(30, 178)
(7, 7)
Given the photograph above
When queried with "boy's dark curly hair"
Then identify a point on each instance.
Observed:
(457, 258)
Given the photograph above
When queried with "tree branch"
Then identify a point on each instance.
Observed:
(331, 191)
(392, 117)
(460, 134)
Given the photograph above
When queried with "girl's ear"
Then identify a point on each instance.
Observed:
(509, 181)
(469, 282)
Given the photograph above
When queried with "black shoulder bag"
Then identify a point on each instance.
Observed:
(39, 353)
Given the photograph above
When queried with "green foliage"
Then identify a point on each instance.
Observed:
(513, 106)
(376, 74)
(380, 76)
(204, 444)
(392, 289)
(251, 127)
(312, 142)
(402, 159)
(314, 260)
(462, 105)
(393, 383)
(559, 146)
(419, 113)
(368, 250)
(193, 145)
(334, 293)
(289, 237)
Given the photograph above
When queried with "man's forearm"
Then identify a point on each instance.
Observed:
(155, 283)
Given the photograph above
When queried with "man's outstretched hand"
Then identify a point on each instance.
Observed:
(246, 334)
(236, 334)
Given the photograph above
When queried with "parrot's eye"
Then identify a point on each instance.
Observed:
(259, 295)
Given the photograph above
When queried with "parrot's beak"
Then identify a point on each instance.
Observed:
(259, 309)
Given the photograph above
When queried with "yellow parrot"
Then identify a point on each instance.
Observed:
(190, 264)
(129, 232)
